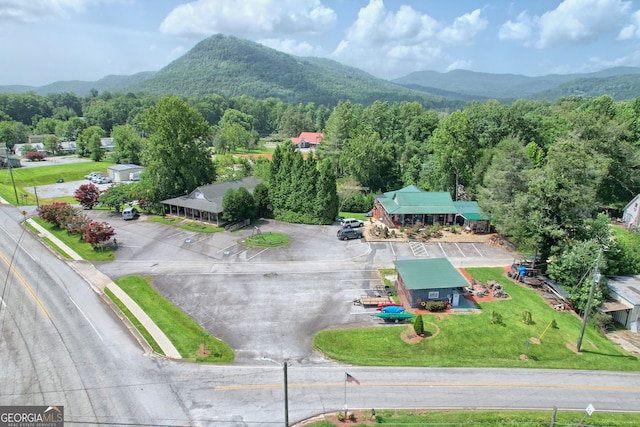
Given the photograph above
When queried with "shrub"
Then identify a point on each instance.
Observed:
(418, 325)
(435, 305)
(34, 156)
(603, 322)
(496, 318)
(352, 417)
(340, 416)
(526, 317)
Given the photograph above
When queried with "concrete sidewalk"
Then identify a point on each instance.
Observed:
(99, 282)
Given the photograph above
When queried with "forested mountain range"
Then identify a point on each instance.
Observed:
(620, 83)
(234, 67)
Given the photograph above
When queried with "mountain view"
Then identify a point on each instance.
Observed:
(234, 67)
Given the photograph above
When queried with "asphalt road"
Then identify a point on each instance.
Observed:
(80, 356)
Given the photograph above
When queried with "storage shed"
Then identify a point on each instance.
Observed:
(435, 279)
(624, 305)
(121, 173)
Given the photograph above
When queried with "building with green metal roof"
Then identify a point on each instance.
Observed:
(411, 205)
(434, 279)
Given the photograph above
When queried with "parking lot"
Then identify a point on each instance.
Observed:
(269, 302)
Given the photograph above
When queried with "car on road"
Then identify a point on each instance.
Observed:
(349, 233)
(129, 213)
(351, 223)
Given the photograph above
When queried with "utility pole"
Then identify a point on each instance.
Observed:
(10, 166)
(596, 280)
(286, 394)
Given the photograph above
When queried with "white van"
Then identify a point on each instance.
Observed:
(129, 213)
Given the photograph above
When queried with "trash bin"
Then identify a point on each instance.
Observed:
(60, 180)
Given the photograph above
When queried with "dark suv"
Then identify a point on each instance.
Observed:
(349, 233)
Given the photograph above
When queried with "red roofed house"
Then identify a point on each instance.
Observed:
(308, 139)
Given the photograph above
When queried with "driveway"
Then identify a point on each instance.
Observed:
(269, 302)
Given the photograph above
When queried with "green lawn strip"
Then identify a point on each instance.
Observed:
(356, 215)
(75, 242)
(269, 240)
(185, 334)
(449, 418)
(259, 150)
(164, 220)
(134, 320)
(32, 177)
(56, 247)
(200, 227)
(471, 340)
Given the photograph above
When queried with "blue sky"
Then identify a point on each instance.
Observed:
(43, 41)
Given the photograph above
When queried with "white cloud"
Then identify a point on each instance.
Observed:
(261, 18)
(580, 21)
(390, 44)
(464, 28)
(631, 31)
(293, 47)
(519, 30)
(37, 10)
(459, 65)
(573, 22)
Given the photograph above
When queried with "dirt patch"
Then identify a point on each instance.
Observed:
(573, 347)
(409, 335)
(534, 340)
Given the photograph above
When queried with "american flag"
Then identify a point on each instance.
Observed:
(352, 379)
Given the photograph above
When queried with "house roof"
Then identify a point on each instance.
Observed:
(634, 200)
(433, 273)
(208, 198)
(413, 200)
(471, 211)
(626, 287)
(311, 137)
(121, 168)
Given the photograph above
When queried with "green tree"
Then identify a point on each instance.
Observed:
(177, 152)
(370, 161)
(117, 196)
(89, 140)
(232, 136)
(128, 144)
(418, 325)
(12, 133)
(238, 204)
(52, 145)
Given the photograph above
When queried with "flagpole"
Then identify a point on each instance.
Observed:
(345, 396)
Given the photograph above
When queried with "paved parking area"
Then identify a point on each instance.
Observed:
(269, 302)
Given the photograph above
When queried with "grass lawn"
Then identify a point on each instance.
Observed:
(269, 240)
(185, 334)
(439, 418)
(164, 220)
(43, 175)
(200, 227)
(472, 340)
(356, 215)
(77, 243)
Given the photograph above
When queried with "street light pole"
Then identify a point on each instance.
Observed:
(596, 280)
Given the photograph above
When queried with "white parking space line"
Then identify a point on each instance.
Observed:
(474, 247)
(224, 249)
(174, 235)
(265, 249)
(418, 249)
(442, 249)
(463, 254)
(393, 251)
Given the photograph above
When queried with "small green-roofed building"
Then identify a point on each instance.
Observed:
(434, 279)
(411, 205)
(473, 218)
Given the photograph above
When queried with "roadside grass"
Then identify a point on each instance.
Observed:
(471, 340)
(185, 334)
(135, 322)
(75, 242)
(164, 220)
(200, 227)
(26, 178)
(450, 418)
(269, 240)
(356, 215)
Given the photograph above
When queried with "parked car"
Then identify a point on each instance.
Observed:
(129, 213)
(351, 223)
(103, 180)
(349, 233)
(92, 175)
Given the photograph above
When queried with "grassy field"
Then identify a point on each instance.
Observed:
(77, 243)
(200, 227)
(356, 215)
(269, 240)
(472, 340)
(397, 418)
(43, 175)
(185, 334)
